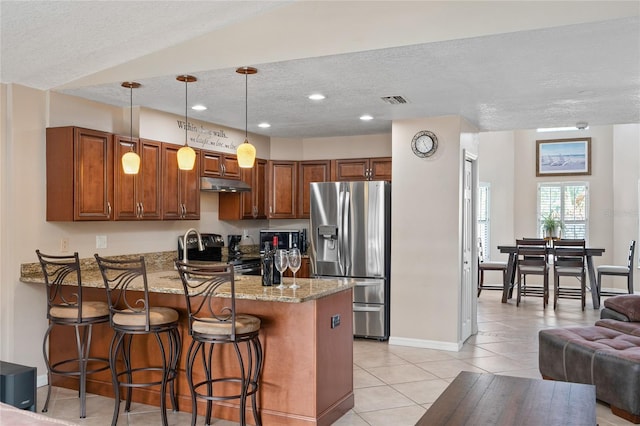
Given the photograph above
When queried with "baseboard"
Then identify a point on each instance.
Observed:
(42, 380)
(425, 344)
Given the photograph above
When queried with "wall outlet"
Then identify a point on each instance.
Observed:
(101, 241)
(64, 245)
(245, 233)
(335, 321)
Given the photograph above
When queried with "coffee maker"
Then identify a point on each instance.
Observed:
(234, 246)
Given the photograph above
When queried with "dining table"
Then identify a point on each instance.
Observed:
(509, 278)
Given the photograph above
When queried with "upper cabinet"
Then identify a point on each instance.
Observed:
(180, 188)
(139, 196)
(217, 164)
(308, 172)
(377, 168)
(79, 174)
(246, 205)
(282, 189)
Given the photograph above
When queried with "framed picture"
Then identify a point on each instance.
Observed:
(561, 157)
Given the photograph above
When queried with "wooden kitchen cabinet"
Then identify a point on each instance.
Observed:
(218, 164)
(308, 172)
(79, 174)
(354, 169)
(304, 271)
(282, 189)
(139, 196)
(180, 188)
(246, 205)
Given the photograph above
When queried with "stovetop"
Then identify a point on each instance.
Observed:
(243, 259)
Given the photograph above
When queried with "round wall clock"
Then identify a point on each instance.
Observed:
(424, 144)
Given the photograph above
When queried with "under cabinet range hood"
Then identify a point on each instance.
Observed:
(223, 185)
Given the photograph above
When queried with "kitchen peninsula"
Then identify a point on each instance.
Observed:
(307, 377)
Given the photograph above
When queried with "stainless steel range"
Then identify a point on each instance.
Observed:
(213, 244)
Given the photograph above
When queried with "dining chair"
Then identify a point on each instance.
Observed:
(484, 266)
(620, 271)
(214, 322)
(131, 315)
(569, 259)
(532, 260)
(66, 307)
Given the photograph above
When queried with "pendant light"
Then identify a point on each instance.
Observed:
(131, 160)
(246, 152)
(186, 154)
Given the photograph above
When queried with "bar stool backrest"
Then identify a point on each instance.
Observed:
(632, 249)
(64, 283)
(201, 285)
(124, 280)
(532, 252)
(569, 253)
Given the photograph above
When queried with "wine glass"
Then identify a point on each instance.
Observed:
(281, 262)
(294, 265)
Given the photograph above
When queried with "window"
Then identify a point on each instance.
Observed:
(483, 218)
(568, 201)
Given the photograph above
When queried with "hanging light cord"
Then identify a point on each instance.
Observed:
(186, 121)
(246, 106)
(131, 115)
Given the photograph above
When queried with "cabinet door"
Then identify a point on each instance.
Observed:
(308, 172)
(149, 189)
(93, 175)
(125, 186)
(282, 189)
(380, 168)
(351, 169)
(180, 188)
(212, 163)
(260, 190)
(231, 167)
(190, 190)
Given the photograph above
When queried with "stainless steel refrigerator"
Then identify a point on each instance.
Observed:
(351, 238)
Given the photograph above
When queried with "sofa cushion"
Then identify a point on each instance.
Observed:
(631, 328)
(627, 304)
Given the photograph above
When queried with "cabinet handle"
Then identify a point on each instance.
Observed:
(182, 210)
(224, 169)
(108, 209)
(141, 210)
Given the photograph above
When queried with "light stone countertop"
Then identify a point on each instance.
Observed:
(163, 278)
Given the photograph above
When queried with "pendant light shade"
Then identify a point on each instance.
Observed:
(186, 154)
(246, 152)
(131, 160)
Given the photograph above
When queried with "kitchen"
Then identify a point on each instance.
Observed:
(421, 267)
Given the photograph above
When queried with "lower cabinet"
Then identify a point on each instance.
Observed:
(304, 271)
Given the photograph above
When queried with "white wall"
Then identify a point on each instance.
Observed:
(425, 241)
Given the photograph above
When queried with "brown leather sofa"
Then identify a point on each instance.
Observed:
(606, 355)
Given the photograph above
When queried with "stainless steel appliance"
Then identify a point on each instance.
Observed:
(213, 244)
(350, 236)
(287, 238)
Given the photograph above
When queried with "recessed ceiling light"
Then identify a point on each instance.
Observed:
(366, 117)
(317, 96)
(264, 125)
(199, 107)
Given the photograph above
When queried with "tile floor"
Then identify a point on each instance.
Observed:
(394, 385)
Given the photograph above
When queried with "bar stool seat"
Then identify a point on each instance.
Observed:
(132, 315)
(213, 320)
(65, 307)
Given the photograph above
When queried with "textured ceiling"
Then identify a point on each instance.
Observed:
(546, 77)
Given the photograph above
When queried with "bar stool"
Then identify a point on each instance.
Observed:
(214, 320)
(569, 260)
(132, 315)
(620, 271)
(65, 306)
(483, 266)
(532, 260)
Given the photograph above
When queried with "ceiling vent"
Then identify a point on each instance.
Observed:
(394, 100)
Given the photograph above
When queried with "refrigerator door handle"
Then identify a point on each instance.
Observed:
(346, 230)
(367, 308)
(368, 283)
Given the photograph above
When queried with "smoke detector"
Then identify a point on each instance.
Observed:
(582, 125)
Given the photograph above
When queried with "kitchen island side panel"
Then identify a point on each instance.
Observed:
(307, 376)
